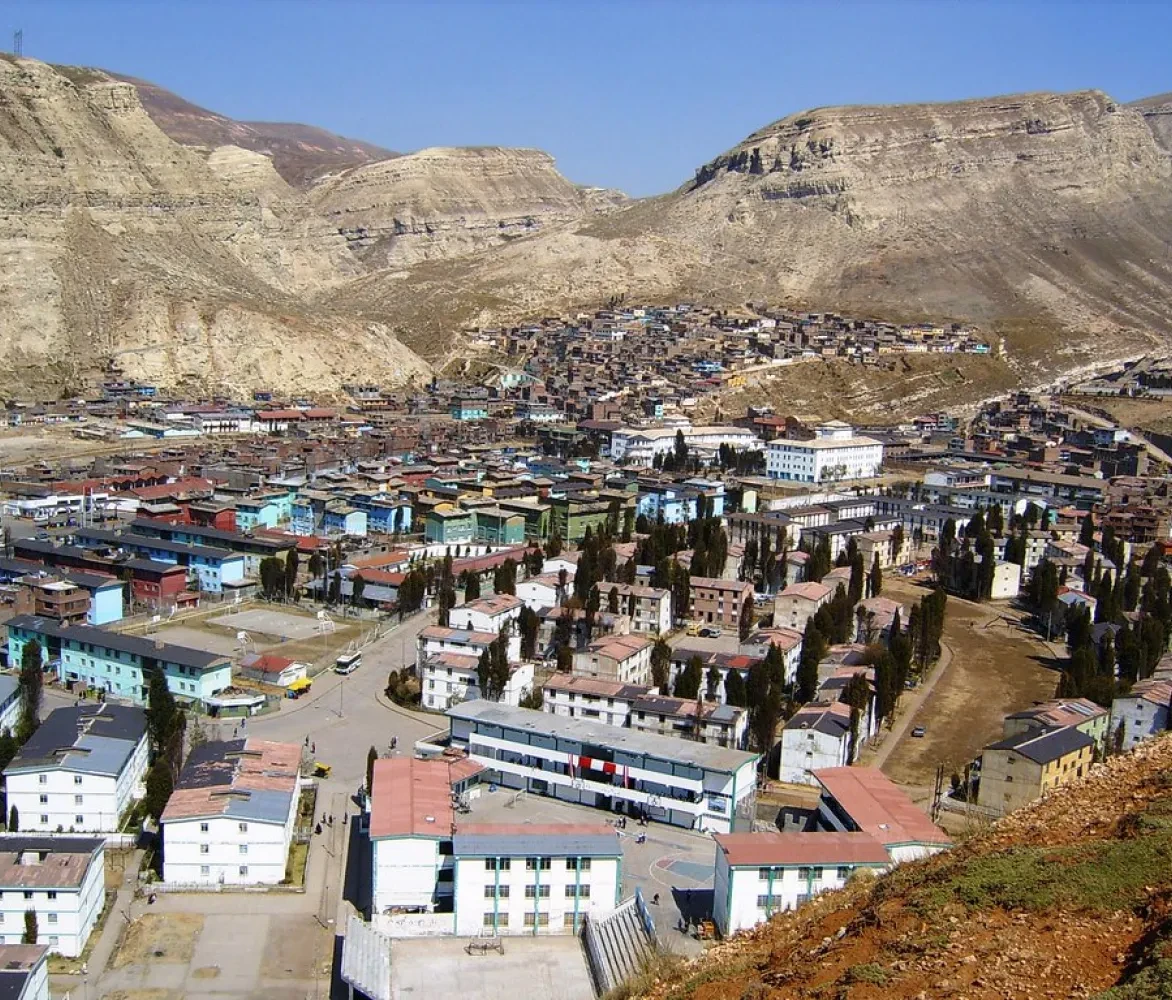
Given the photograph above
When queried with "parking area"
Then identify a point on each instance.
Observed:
(529, 968)
(280, 625)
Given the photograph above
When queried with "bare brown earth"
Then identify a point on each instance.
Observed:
(997, 667)
(1143, 414)
(1065, 898)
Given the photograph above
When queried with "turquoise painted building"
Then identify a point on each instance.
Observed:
(469, 409)
(257, 513)
(448, 526)
(119, 664)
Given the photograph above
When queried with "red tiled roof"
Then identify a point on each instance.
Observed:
(767, 849)
(879, 807)
(411, 798)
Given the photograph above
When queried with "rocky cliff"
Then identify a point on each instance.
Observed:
(1157, 111)
(1045, 217)
(440, 203)
(125, 251)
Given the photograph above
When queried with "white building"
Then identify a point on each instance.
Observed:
(1143, 712)
(648, 608)
(433, 875)
(622, 658)
(711, 722)
(448, 678)
(604, 701)
(540, 592)
(230, 819)
(639, 446)
(832, 455)
(816, 736)
(486, 614)
(24, 971)
(669, 780)
(436, 639)
(61, 879)
(760, 874)
(9, 702)
(81, 770)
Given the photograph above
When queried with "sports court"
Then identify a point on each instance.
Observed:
(278, 624)
(196, 638)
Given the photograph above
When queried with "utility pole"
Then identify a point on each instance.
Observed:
(18, 42)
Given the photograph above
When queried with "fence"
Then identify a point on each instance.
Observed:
(413, 925)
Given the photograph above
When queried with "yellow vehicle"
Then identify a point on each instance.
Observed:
(693, 629)
(321, 770)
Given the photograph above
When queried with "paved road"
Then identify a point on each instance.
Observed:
(910, 707)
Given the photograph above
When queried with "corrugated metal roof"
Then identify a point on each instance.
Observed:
(569, 842)
(366, 959)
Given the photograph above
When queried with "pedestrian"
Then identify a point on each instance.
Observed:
(314, 748)
(307, 739)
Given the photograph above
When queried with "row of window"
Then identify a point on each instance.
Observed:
(805, 874)
(536, 891)
(534, 864)
(76, 799)
(49, 917)
(28, 894)
(242, 827)
(531, 920)
(78, 820)
(44, 780)
(207, 870)
(205, 849)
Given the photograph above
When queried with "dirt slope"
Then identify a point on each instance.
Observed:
(1067, 898)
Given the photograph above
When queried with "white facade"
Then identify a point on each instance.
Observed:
(539, 591)
(746, 895)
(226, 851)
(834, 454)
(585, 698)
(24, 971)
(448, 679)
(1143, 712)
(73, 801)
(436, 640)
(817, 736)
(407, 874)
(622, 658)
(639, 446)
(648, 607)
(538, 894)
(67, 901)
(488, 614)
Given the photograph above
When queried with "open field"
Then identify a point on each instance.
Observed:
(277, 624)
(997, 668)
(158, 937)
(1144, 414)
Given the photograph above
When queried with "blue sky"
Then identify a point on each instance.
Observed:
(629, 95)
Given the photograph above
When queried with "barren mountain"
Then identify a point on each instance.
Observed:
(1044, 217)
(124, 249)
(440, 203)
(1158, 113)
(300, 153)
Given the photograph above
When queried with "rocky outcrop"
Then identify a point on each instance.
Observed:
(122, 250)
(1157, 112)
(440, 203)
(1041, 216)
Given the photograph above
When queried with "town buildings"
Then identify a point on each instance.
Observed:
(61, 879)
(834, 454)
(81, 771)
(230, 819)
(718, 602)
(1018, 769)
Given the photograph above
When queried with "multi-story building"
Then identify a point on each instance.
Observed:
(1021, 768)
(760, 874)
(120, 664)
(435, 875)
(605, 701)
(1143, 712)
(61, 879)
(648, 608)
(80, 771)
(639, 446)
(622, 658)
(436, 639)
(798, 603)
(448, 678)
(834, 454)
(230, 819)
(681, 782)
(816, 736)
(1082, 713)
(486, 614)
(718, 602)
(711, 722)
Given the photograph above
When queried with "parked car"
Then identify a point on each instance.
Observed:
(710, 633)
(919, 732)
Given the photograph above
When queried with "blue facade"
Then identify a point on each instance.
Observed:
(349, 522)
(253, 514)
(106, 604)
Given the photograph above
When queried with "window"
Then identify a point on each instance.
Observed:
(568, 920)
(43, 779)
(804, 873)
(818, 872)
(490, 892)
(537, 892)
(53, 940)
(77, 779)
(490, 864)
(205, 869)
(763, 902)
(203, 848)
(844, 871)
(243, 848)
(242, 827)
(44, 818)
(490, 919)
(203, 828)
(77, 799)
(79, 820)
(578, 864)
(763, 873)
(244, 869)
(27, 894)
(44, 800)
(52, 918)
(535, 864)
(52, 894)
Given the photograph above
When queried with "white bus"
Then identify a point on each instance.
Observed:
(347, 663)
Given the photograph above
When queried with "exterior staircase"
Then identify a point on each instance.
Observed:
(618, 944)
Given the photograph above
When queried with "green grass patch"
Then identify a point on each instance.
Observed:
(868, 972)
(295, 865)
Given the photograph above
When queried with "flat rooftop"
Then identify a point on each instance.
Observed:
(584, 731)
(879, 807)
